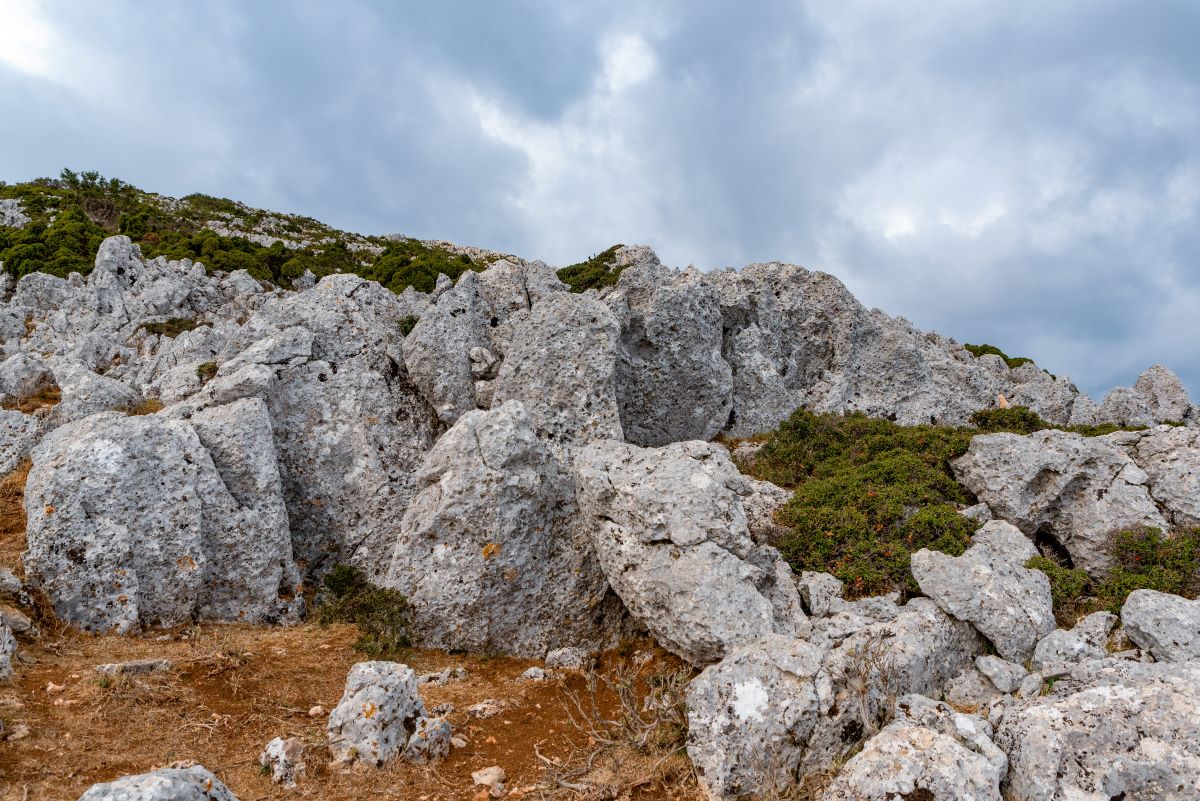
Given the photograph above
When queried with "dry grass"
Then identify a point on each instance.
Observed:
(48, 395)
(12, 517)
(146, 406)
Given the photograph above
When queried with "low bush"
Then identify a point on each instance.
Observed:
(382, 615)
(1013, 362)
(596, 272)
(170, 328)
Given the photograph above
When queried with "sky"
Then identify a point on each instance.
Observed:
(1025, 174)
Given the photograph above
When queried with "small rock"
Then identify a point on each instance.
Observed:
(487, 708)
(1165, 625)
(9, 583)
(316, 712)
(1031, 686)
(18, 621)
(486, 777)
(1060, 648)
(168, 784)
(19, 732)
(285, 759)
(458, 742)
(53, 689)
(137, 666)
(430, 742)
(377, 714)
(534, 674)
(443, 677)
(1005, 676)
(570, 658)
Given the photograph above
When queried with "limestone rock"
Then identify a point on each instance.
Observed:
(19, 433)
(990, 587)
(1165, 625)
(1087, 640)
(285, 760)
(166, 784)
(1075, 489)
(377, 714)
(670, 532)
(929, 751)
(23, 375)
(569, 658)
(562, 366)
(1005, 676)
(489, 553)
(430, 741)
(1170, 456)
(1164, 394)
(133, 522)
(85, 393)
(1113, 729)
(12, 214)
(750, 716)
(8, 651)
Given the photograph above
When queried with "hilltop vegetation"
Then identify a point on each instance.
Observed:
(70, 216)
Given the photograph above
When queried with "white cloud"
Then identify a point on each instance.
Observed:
(27, 40)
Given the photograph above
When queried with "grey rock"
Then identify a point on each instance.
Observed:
(19, 433)
(133, 522)
(534, 674)
(12, 213)
(23, 375)
(750, 716)
(1126, 406)
(970, 690)
(1087, 640)
(1165, 625)
(1030, 686)
(430, 741)
(377, 714)
(442, 677)
(85, 393)
(1170, 456)
(928, 751)
(9, 583)
(670, 532)
(285, 759)
(166, 784)
(562, 366)
(134, 668)
(990, 587)
(1005, 676)
(820, 592)
(569, 658)
(760, 506)
(1075, 489)
(980, 513)
(1165, 395)
(672, 382)
(8, 651)
(1115, 728)
(489, 553)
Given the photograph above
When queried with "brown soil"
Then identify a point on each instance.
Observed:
(234, 688)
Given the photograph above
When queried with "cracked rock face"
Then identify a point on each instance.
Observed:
(1076, 489)
(167, 784)
(490, 553)
(1112, 729)
(989, 587)
(1165, 625)
(670, 531)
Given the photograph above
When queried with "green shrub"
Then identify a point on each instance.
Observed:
(1013, 362)
(868, 493)
(382, 615)
(596, 272)
(1017, 419)
(206, 372)
(408, 323)
(170, 328)
(410, 262)
(1143, 559)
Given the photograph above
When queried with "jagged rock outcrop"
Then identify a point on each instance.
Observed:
(671, 534)
(1170, 455)
(149, 521)
(1112, 729)
(989, 587)
(12, 213)
(1076, 490)
(928, 751)
(490, 554)
(196, 783)
(1165, 625)
(1157, 396)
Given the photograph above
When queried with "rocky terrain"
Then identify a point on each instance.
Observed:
(545, 471)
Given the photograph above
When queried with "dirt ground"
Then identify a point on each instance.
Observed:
(232, 689)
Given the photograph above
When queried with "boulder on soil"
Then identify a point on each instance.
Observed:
(671, 534)
(166, 784)
(990, 587)
(489, 554)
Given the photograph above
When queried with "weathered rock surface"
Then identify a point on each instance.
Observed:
(284, 758)
(19, 433)
(1060, 649)
(1005, 676)
(12, 214)
(1165, 625)
(1114, 729)
(8, 651)
(670, 532)
(490, 554)
(989, 587)
(1170, 456)
(1077, 490)
(377, 715)
(132, 521)
(167, 784)
(929, 751)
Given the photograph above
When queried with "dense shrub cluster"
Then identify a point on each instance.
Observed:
(868, 493)
(70, 216)
(1143, 559)
(1013, 362)
(596, 272)
(382, 615)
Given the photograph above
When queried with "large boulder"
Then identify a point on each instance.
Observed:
(1112, 729)
(562, 365)
(672, 382)
(489, 554)
(196, 783)
(1170, 456)
(671, 534)
(1165, 625)
(134, 521)
(1158, 396)
(989, 587)
(1073, 489)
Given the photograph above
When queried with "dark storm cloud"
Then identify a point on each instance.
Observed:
(1026, 174)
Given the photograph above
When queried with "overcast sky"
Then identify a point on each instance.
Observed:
(1020, 173)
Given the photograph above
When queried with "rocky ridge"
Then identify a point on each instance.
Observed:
(533, 469)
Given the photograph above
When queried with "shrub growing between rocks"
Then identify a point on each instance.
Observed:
(596, 272)
(382, 615)
(1013, 362)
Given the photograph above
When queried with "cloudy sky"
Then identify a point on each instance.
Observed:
(1020, 173)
